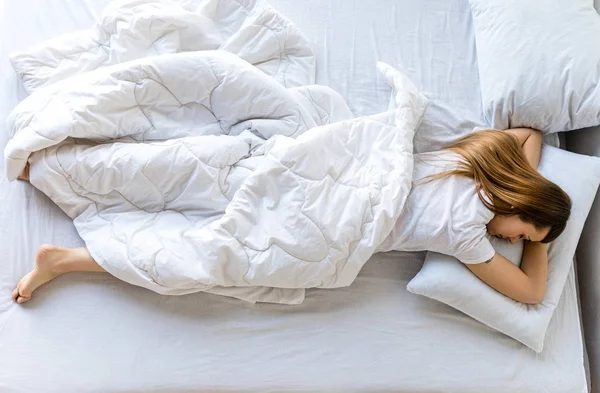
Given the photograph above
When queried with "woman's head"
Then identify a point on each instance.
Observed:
(525, 203)
(513, 229)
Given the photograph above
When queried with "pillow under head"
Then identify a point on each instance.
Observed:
(445, 279)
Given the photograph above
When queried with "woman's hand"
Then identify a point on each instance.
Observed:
(531, 142)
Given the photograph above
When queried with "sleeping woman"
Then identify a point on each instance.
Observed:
(485, 183)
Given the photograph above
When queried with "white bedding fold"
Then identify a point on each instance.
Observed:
(133, 29)
(197, 171)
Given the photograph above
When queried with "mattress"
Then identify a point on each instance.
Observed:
(92, 333)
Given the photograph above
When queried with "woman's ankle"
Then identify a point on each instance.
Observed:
(62, 260)
(76, 260)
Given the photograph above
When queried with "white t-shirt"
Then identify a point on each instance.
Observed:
(444, 215)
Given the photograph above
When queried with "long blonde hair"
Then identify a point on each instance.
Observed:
(495, 161)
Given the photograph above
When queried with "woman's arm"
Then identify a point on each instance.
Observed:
(531, 142)
(526, 284)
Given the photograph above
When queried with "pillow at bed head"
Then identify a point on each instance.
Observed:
(539, 63)
(445, 279)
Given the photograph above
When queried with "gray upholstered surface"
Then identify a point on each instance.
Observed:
(587, 141)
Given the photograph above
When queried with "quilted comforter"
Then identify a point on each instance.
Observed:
(190, 148)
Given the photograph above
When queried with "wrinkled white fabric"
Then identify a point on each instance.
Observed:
(133, 29)
(197, 171)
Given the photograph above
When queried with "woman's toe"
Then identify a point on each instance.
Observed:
(22, 299)
(25, 286)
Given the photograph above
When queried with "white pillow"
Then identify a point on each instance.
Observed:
(539, 63)
(445, 279)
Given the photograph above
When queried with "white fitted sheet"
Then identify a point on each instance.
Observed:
(92, 333)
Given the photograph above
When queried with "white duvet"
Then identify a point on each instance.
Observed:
(190, 149)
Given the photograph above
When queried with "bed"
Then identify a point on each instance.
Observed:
(93, 333)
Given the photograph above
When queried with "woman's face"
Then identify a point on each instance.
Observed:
(514, 229)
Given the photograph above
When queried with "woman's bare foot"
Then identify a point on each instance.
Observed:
(51, 262)
(25, 174)
(47, 267)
